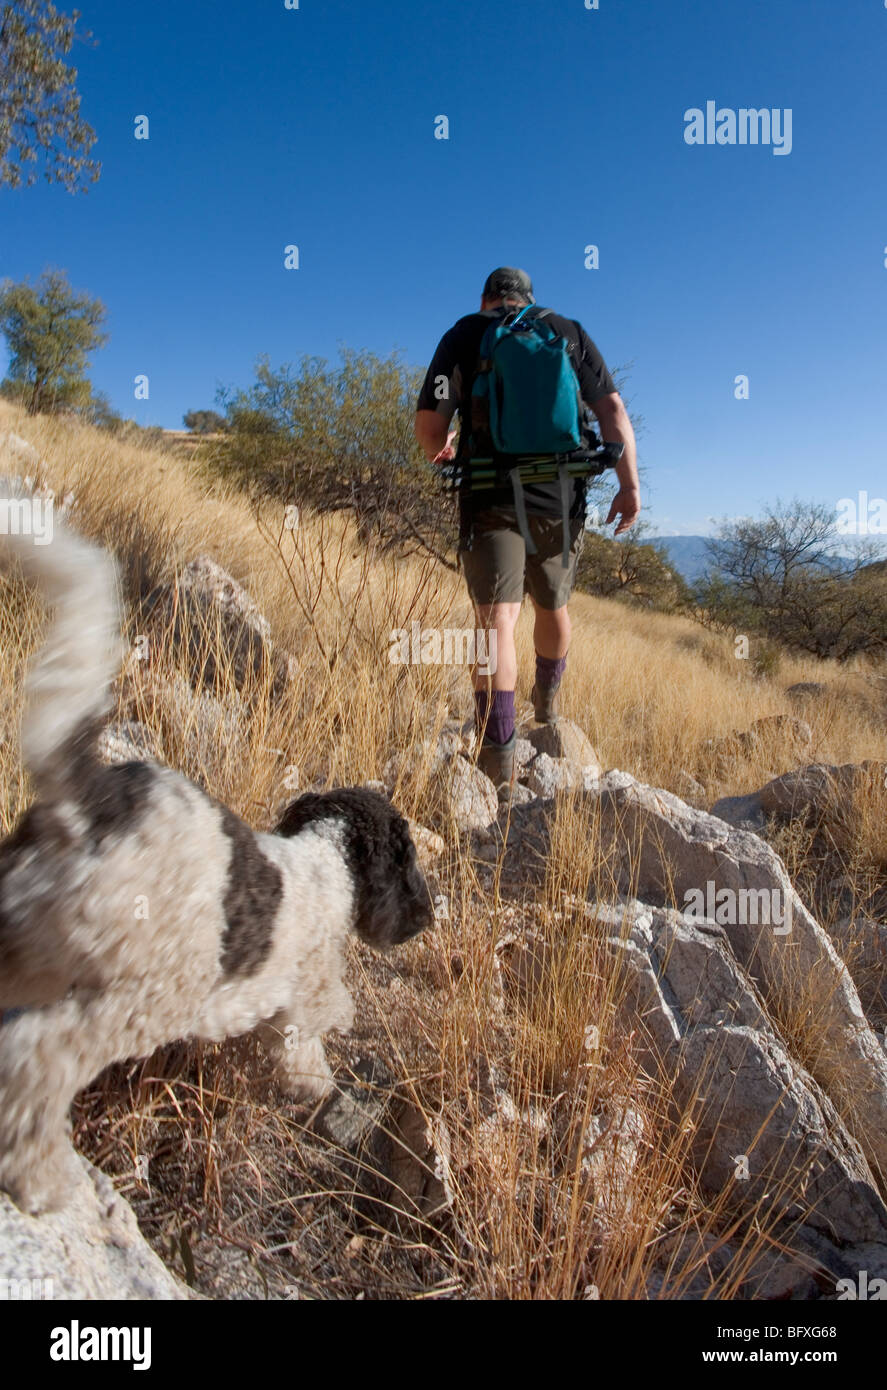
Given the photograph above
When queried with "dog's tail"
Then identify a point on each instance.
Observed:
(68, 685)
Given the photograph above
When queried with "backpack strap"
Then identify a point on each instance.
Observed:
(566, 483)
(520, 510)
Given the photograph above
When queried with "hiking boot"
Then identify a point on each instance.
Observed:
(497, 761)
(544, 700)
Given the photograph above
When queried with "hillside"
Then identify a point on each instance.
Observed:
(504, 1072)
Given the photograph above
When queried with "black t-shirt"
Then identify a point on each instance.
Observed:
(450, 378)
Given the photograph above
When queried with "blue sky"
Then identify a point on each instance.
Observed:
(315, 126)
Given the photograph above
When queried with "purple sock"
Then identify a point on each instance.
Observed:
(549, 671)
(500, 724)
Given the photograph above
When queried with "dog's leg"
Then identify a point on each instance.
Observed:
(46, 1057)
(300, 1063)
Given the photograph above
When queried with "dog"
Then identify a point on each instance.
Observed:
(135, 910)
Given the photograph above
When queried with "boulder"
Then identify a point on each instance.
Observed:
(93, 1249)
(817, 790)
(213, 624)
(565, 740)
(547, 776)
(764, 1135)
(690, 790)
(470, 795)
(775, 738)
(862, 945)
(668, 854)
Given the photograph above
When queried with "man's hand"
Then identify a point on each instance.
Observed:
(435, 437)
(616, 428)
(448, 451)
(627, 506)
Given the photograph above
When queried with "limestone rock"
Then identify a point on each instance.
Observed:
(668, 854)
(763, 1129)
(862, 944)
(564, 739)
(472, 798)
(211, 621)
(548, 776)
(690, 790)
(93, 1249)
(818, 790)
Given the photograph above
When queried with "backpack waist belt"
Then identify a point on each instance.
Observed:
(484, 473)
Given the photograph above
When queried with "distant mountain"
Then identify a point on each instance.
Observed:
(687, 554)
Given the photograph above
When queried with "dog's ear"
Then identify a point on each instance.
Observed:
(392, 899)
(395, 901)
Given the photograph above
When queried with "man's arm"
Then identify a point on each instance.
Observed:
(616, 429)
(434, 435)
(439, 399)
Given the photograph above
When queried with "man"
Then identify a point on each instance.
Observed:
(498, 564)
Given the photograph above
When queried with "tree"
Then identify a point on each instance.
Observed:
(39, 102)
(339, 438)
(50, 330)
(785, 576)
(204, 421)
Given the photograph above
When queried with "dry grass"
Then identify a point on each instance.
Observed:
(239, 1195)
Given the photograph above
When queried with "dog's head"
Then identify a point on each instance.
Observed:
(392, 900)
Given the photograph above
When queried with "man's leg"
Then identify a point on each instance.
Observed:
(550, 583)
(551, 639)
(551, 632)
(494, 567)
(494, 691)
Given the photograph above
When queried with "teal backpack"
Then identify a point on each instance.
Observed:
(526, 400)
(526, 397)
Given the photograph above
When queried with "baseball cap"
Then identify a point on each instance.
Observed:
(508, 280)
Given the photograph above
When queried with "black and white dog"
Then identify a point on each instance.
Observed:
(135, 910)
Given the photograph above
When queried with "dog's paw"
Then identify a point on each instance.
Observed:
(304, 1073)
(308, 1090)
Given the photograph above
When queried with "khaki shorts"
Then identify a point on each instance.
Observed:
(498, 569)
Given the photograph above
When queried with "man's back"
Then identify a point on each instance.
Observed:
(455, 362)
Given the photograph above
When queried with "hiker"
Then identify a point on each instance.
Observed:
(513, 538)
